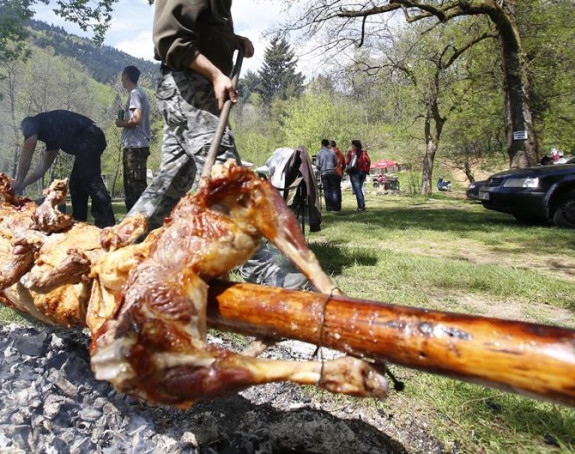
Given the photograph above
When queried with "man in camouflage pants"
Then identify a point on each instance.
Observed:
(135, 137)
(190, 93)
(190, 110)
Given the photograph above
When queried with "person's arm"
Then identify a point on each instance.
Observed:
(25, 161)
(134, 120)
(47, 159)
(319, 161)
(222, 84)
(136, 114)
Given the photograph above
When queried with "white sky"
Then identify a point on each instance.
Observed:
(131, 28)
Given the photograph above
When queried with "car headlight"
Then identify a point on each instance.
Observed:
(521, 183)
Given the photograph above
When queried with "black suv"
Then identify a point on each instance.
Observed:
(536, 194)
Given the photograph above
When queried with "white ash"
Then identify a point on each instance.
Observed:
(51, 403)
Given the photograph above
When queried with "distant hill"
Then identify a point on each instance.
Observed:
(103, 62)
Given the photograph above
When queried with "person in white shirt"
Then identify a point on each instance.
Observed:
(135, 137)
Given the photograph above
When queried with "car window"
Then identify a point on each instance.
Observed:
(571, 161)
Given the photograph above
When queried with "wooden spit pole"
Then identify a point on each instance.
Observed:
(519, 357)
(223, 121)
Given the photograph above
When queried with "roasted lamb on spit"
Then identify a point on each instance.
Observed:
(145, 303)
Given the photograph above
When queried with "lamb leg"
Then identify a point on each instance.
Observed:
(251, 201)
(21, 260)
(155, 348)
(74, 268)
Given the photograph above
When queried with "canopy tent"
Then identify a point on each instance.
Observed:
(384, 166)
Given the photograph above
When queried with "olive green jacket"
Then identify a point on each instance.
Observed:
(184, 28)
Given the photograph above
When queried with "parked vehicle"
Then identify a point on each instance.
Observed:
(535, 194)
(473, 189)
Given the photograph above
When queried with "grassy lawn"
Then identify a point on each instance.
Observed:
(447, 253)
(450, 254)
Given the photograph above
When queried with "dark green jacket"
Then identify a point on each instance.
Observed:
(184, 28)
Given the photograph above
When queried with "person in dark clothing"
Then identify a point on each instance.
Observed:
(339, 169)
(326, 162)
(76, 135)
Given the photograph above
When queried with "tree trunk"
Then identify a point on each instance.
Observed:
(519, 123)
(539, 130)
(12, 78)
(432, 130)
(467, 168)
(430, 150)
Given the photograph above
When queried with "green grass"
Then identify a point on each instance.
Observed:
(451, 254)
(484, 420)
(447, 253)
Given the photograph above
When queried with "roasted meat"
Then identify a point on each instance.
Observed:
(145, 303)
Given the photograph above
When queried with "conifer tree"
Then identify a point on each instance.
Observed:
(278, 78)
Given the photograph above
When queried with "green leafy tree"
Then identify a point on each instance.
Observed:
(92, 15)
(13, 15)
(247, 87)
(278, 78)
(357, 23)
(548, 36)
(428, 63)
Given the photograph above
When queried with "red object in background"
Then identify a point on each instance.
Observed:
(379, 165)
(384, 164)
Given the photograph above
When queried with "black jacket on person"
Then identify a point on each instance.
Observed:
(59, 130)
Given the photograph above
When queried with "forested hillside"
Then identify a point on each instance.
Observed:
(102, 62)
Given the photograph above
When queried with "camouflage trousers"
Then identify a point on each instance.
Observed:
(190, 110)
(135, 161)
(187, 102)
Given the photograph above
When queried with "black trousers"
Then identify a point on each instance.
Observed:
(330, 183)
(86, 179)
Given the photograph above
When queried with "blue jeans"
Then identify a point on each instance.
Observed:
(357, 180)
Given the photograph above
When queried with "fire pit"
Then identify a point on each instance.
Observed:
(52, 403)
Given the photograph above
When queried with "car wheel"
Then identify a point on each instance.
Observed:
(564, 215)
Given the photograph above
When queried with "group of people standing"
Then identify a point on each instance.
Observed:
(332, 164)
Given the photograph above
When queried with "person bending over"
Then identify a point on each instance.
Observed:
(76, 135)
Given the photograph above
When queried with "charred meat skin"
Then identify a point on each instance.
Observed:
(145, 303)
